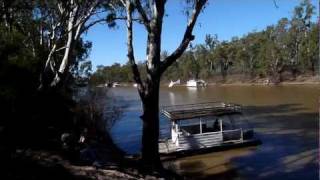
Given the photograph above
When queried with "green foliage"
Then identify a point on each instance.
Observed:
(113, 73)
(28, 115)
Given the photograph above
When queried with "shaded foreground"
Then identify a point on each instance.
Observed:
(109, 164)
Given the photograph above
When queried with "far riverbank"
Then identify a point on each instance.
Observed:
(240, 81)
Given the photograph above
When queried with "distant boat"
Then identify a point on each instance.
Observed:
(100, 85)
(108, 84)
(115, 84)
(267, 82)
(135, 85)
(174, 83)
(196, 83)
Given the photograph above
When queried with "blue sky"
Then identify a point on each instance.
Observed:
(226, 18)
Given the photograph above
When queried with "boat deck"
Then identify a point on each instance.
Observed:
(167, 147)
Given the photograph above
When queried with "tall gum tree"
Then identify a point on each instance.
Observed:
(64, 23)
(150, 13)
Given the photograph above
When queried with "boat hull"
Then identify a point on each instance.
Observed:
(202, 150)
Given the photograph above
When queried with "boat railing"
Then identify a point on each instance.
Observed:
(227, 135)
(232, 135)
(199, 134)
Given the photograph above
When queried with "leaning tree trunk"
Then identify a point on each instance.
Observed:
(150, 100)
(149, 90)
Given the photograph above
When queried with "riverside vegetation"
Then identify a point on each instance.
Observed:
(280, 52)
(52, 125)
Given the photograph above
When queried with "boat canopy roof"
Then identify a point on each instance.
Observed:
(190, 111)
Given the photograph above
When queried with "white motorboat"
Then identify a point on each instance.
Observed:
(172, 83)
(196, 83)
(115, 84)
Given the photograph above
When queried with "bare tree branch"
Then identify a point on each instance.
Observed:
(80, 23)
(143, 14)
(187, 38)
(88, 26)
(275, 4)
(53, 50)
(159, 9)
(70, 40)
(89, 13)
(60, 49)
(130, 55)
(74, 15)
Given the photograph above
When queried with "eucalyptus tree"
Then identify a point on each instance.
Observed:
(204, 55)
(253, 44)
(150, 13)
(300, 26)
(311, 49)
(211, 42)
(174, 71)
(225, 54)
(15, 14)
(191, 64)
(201, 59)
(63, 24)
(276, 49)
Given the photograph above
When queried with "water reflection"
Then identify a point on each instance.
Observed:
(285, 118)
(172, 97)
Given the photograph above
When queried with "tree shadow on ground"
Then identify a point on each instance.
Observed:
(27, 168)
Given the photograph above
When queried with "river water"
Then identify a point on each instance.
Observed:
(285, 119)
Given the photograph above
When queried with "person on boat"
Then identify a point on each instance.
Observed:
(216, 125)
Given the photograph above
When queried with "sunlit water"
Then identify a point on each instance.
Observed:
(285, 119)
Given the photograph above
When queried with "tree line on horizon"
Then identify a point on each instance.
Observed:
(279, 52)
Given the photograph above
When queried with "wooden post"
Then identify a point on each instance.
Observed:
(174, 131)
(241, 135)
(177, 133)
(176, 126)
(220, 121)
(200, 126)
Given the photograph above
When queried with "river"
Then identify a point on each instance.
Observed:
(285, 119)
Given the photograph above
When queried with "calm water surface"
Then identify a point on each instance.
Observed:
(285, 119)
